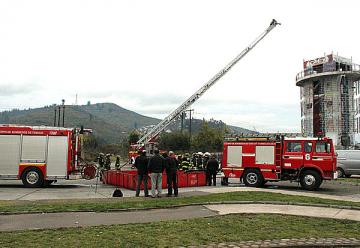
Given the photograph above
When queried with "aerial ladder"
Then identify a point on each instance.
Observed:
(155, 131)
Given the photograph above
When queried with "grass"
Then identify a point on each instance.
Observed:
(229, 228)
(353, 180)
(126, 203)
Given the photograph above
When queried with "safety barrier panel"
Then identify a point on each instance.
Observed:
(128, 179)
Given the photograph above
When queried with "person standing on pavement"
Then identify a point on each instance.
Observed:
(156, 168)
(212, 167)
(171, 166)
(141, 163)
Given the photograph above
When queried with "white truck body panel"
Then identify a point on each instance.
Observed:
(265, 155)
(10, 154)
(33, 149)
(57, 156)
(234, 155)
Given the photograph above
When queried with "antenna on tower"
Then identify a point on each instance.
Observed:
(76, 102)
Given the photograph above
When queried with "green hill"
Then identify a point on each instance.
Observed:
(110, 122)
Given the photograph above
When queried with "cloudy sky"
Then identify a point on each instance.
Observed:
(149, 56)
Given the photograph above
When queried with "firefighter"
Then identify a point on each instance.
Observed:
(107, 161)
(194, 159)
(171, 166)
(199, 161)
(117, 162)
(100, 160)
(212, 167)
(141, 163)
(185, 162)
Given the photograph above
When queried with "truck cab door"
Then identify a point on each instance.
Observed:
(293, 154)
(322, 157)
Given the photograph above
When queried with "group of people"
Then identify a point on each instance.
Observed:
(105, 161)
(155, 166)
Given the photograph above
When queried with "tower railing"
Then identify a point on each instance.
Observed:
(310, 71)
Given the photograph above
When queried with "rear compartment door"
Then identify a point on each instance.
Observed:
(57, 158)
(33, 149)
(234, 156)
(10, 155)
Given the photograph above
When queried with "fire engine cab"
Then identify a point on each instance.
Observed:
(258, 160)
(38, 155)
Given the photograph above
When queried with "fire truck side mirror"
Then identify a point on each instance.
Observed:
(81, 129)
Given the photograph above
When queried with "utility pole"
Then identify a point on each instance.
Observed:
(190, 120)
(182, 121)
(63, 116)
(59, 116)
(55, 118)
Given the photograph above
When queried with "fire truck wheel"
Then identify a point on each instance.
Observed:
(253, 178)
(310, 180)
(32, 178)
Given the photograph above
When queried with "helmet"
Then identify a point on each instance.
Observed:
(200, 153)
(207, 154)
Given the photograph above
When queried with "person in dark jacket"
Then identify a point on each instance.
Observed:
(212, 167)
(141, 163)
(156, 168)
(171, 166)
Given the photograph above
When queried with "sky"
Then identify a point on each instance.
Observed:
(150, 56)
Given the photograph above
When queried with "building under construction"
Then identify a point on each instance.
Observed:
(329, 98)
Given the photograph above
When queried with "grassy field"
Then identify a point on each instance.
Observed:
(126, 203)
(229, 228)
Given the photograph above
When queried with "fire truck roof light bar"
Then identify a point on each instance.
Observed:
(165, 122)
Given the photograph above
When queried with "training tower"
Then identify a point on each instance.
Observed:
(328, 87)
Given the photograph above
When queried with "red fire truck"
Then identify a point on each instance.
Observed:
(38, 155)
(258, 160)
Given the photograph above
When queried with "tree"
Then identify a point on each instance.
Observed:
(176, 141)
(134, 136)
(208, 139)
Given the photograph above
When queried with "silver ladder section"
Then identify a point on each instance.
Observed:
(165, 122)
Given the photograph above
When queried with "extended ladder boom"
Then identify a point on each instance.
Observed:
(165, 122)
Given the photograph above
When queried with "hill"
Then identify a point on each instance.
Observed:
(110, 122)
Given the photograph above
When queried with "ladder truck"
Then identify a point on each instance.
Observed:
(147, 141)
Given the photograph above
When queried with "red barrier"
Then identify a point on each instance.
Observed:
(128, 179)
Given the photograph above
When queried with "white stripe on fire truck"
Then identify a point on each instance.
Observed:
(248, 154)
(292, 157)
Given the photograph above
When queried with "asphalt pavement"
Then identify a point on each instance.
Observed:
(81, 219)
(87, 189)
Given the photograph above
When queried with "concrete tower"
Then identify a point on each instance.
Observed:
(327, 98)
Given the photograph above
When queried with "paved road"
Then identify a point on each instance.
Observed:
(83, 189)
(75, 219)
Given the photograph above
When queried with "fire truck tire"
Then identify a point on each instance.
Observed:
(225, 181)
(253, 178)
(310, 180)
(32, 178)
